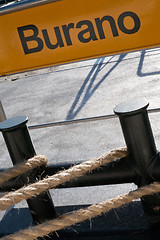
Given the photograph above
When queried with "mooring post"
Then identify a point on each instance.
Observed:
(142, 149)
(20, 147)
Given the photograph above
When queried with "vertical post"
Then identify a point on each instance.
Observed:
(20, 148)
(2, 113)
(142, 149)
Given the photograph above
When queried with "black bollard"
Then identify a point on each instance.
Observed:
(20, 148)
(142, 150)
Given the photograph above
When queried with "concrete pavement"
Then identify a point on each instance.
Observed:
(80, 90)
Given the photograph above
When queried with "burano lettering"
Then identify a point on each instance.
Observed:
(85, 26)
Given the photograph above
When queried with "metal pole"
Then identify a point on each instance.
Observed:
(81, 120)
(2, 113)
(114, 173)
(142, 149)
(20, 148)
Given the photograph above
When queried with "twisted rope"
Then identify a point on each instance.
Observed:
(75, 216)
(82, 214)
(59, 178)
(21, 168)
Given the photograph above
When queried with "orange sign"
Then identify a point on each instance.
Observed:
(56, 32)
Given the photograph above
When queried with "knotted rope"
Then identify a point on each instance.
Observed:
(75, 216)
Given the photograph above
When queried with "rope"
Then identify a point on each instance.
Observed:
(59, 178)
(20, 168)
(75, 216)
(82, 214)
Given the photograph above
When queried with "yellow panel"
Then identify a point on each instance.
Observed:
(70, 30)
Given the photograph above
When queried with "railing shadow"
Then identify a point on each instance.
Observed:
(90, 80)
(119, 224)
(140, 73)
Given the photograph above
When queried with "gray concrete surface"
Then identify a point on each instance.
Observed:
(80, 90)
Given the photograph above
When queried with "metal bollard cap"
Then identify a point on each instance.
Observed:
(13, 123)
(132, 106)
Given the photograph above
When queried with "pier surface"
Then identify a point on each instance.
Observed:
(76, 91)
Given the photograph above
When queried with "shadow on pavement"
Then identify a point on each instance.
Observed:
(140, 67)
(89, 86)
(125, 223)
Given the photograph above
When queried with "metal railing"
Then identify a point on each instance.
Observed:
(18, 5)
(141, 166)
(69, 122)
(82, 120)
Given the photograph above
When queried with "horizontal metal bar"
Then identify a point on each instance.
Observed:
(154, 110)
(117, 172)
(81, 120)
(68, 122)
(22, 5)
